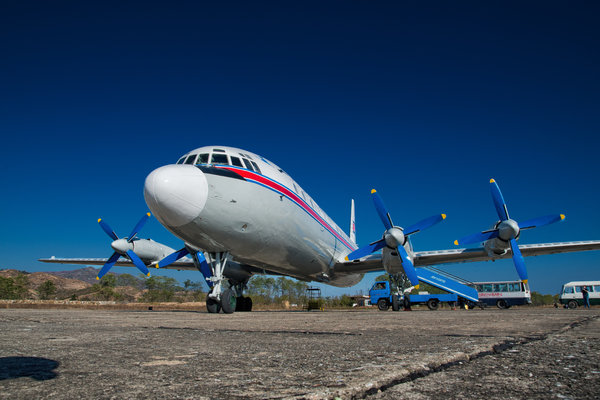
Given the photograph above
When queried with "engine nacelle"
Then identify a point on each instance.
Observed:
(392, 263)
(496, 247)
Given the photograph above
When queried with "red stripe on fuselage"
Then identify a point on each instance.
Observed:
(282, 189)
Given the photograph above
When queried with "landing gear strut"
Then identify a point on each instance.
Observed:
(221, 297)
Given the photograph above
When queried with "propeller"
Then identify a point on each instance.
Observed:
(395, 238)
(123, 247)
(508, 230)
(176, 255)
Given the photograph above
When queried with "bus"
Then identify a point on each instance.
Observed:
(570, 293)
(503, 294)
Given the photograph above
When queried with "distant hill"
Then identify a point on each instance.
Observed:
(37, 278)
(87, 274)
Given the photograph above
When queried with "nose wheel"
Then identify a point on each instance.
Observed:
(226, 298)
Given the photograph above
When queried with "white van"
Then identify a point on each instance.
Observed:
(571, 295)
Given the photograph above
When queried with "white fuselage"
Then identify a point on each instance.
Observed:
(230, 200)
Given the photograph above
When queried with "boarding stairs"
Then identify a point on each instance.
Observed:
(448, 282)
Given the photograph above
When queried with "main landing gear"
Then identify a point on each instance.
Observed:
(225, 295)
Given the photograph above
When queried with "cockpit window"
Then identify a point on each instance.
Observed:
(236, 161)
(191, 159)
(247, 164)
(203, 158)
(181, 160)
(255, 167)
(219, 159)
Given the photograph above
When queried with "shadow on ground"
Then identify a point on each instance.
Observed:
(37, 368)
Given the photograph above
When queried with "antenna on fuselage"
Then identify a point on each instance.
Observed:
(352, 224)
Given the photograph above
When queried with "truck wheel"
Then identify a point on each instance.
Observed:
(433, 304)
(383, 305)
(395, 303)
(501, 304)
(573, 304)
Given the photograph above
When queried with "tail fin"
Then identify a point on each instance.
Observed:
(352, 224)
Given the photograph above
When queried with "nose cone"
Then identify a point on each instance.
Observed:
(176, 194)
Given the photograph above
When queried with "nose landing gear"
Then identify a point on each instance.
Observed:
(222, 298)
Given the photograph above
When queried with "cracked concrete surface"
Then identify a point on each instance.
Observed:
(516, 353)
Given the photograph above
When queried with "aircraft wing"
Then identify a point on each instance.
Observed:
(454, 256)
(182, 264)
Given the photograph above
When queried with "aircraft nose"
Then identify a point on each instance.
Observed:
(176, 194)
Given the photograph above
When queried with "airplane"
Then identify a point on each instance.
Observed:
(239, 214)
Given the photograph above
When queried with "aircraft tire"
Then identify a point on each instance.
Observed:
(395, 303)
(243, 304)
(212, 306)
(228, 301)
(383, 305)
(573, 304)
(433, 304)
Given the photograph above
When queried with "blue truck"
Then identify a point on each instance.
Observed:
(381, 295)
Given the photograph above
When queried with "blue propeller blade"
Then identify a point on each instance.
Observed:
(422, 225)
(204, 268)
(109, 264)
(541, 221)
(139, 226)
(171, 258)
(477, 237)
(518, 260)
(499, 202)
(106, 228)
(382, 210)
(138, 263)
(409, 268)
(366, 250)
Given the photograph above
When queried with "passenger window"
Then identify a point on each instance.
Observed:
(569, 290)
(191, 159)
(255, 167)
(219, 159)
(236, 161)
(503, 287)
(181, 160)
(578, 289)
(597, 288)
(203, 158)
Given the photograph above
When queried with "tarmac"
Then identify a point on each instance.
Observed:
(520, 353)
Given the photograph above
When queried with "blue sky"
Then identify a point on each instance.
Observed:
(423, 101)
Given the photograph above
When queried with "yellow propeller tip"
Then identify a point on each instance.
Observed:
(97, 278)
(157, 266)
(346, 258)
(492, 180)
(456, 242)
(148, 214)
(99, 219)
(443, 216)
(562, 216)
(417, 287)
(525, 280)
(373, 191)
(148, 274)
